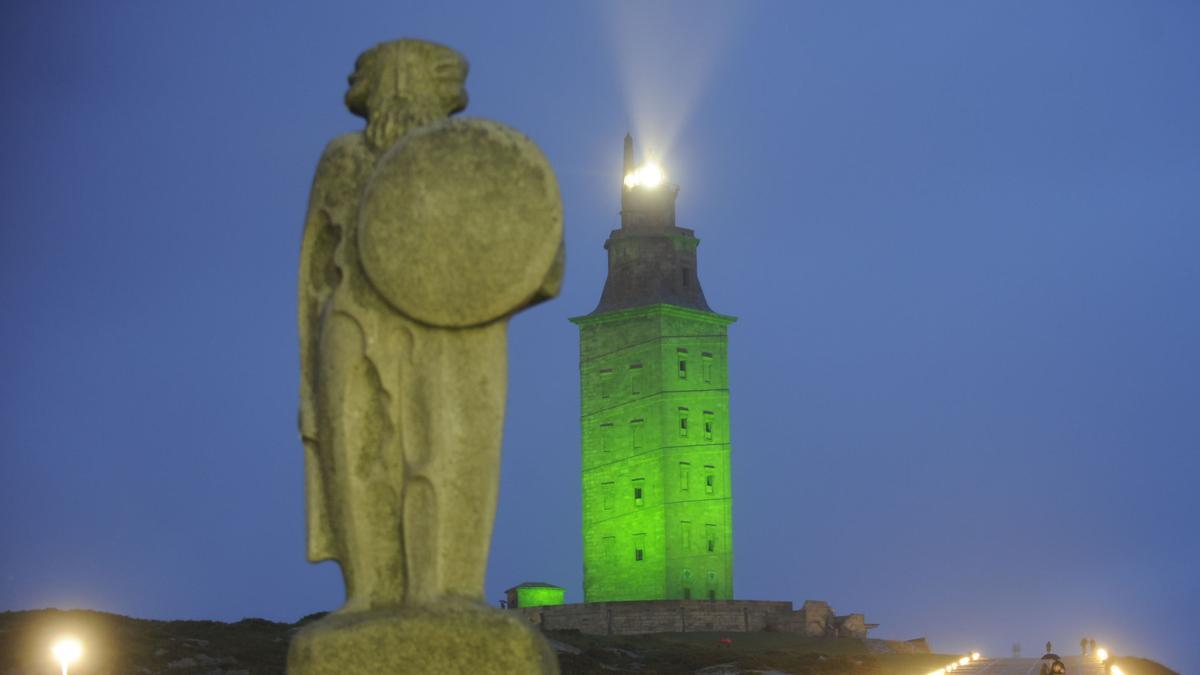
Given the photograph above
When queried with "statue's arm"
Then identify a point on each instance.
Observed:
(333, 189)
(318, 273)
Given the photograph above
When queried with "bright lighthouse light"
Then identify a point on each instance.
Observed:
(67, 651)
(649, 175)
(652, 175)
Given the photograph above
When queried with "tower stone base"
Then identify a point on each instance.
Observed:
(461, 637)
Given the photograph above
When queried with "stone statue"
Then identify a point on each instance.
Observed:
(424, 235)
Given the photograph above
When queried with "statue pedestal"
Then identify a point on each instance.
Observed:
(456, 637)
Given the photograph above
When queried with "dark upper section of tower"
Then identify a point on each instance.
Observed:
(650, 260)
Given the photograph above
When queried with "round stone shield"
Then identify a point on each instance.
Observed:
(460, 223)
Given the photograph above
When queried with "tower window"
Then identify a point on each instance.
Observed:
(687, 593)
(635, 432)
(683, 422)
(708, 425)
(639, 547)
(710, 537)
(685, 471)
(712, 594)
(610, 543)
(639, 491)
(710, 480)
(706, 365)
(605, 382)
(635, 378)
(607, 491)
(685, 539)
(681, 356)
(606, 437)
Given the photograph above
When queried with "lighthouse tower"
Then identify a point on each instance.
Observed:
(657, 508)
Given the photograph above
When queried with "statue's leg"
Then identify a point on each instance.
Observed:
(361, 476)
(459, 477)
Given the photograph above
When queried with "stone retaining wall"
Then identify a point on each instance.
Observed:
(691, 616)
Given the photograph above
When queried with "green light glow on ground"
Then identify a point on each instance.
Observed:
(657, 509)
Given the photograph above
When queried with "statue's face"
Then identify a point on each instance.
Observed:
(450, 77)
(408, 72)
(356, 96)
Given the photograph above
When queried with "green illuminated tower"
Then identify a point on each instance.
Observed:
(657, 509)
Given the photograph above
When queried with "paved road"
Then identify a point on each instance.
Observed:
(1076, 665)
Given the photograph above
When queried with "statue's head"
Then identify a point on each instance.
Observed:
(405, 83)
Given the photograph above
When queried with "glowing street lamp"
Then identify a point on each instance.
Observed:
(1102, 654)
(67, 651)
(964, 660)
(975, 656)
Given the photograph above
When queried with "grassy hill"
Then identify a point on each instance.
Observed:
(119, 645)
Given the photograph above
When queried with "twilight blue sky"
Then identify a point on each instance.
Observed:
(961, 239)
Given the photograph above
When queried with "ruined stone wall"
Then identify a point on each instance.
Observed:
(814, 619)
(661, 616)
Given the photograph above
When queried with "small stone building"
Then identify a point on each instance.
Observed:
(534, 594)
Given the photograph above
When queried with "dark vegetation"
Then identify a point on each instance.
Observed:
(118, 645)
(745, 652)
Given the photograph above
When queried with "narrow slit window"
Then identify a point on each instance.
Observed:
(681, 357)
(710, 480)
(685, 474)
(706, 360)
(607, 490)
(683, 422)
(708, 425)
(605, 382)
(710, 538)
(639, 492)
(639, 547)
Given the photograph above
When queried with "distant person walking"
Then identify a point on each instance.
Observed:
(1083, 644)
(1049, 647)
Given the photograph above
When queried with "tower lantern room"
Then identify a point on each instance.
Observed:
(657, 508)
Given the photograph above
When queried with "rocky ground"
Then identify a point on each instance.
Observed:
(119, 645)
